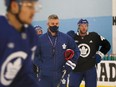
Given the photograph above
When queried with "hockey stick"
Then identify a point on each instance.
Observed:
(61, 78)
(36, 70)
(67, 84)
(68, 55)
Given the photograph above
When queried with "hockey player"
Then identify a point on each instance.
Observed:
(51, 54)
(38, 30)
(93, 47)
(18, 41)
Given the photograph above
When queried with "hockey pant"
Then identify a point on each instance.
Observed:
(89, 76)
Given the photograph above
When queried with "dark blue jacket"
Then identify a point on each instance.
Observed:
(50, 52)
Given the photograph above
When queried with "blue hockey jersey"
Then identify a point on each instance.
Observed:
(16, 50)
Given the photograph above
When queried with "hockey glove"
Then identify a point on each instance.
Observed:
(69, 66)
(98, 56)
(69, 53)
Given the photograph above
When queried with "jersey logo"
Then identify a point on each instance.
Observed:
(91, 41)
(11, 45)
(84, 49)
(24, 36)
(63, 81)
(11, 67)
(76, 41)
(64, 46)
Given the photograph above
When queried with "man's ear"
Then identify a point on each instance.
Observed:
(14, 7)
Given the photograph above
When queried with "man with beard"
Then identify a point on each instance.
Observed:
(52, 57)
(93, 47)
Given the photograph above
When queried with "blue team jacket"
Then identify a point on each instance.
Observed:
(50, 52)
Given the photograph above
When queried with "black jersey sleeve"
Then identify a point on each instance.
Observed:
(103, 43)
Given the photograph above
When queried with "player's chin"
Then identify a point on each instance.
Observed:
(29, 21)
(84, 32)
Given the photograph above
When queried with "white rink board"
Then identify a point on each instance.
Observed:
(106, 71)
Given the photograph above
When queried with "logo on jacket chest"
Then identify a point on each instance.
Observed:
(64, 46)
(84, 49)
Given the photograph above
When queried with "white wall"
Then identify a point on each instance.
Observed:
(2, 7)
(114, 27)
(71, 8)
(75, 8)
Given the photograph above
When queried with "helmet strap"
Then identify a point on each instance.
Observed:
(17, 15)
